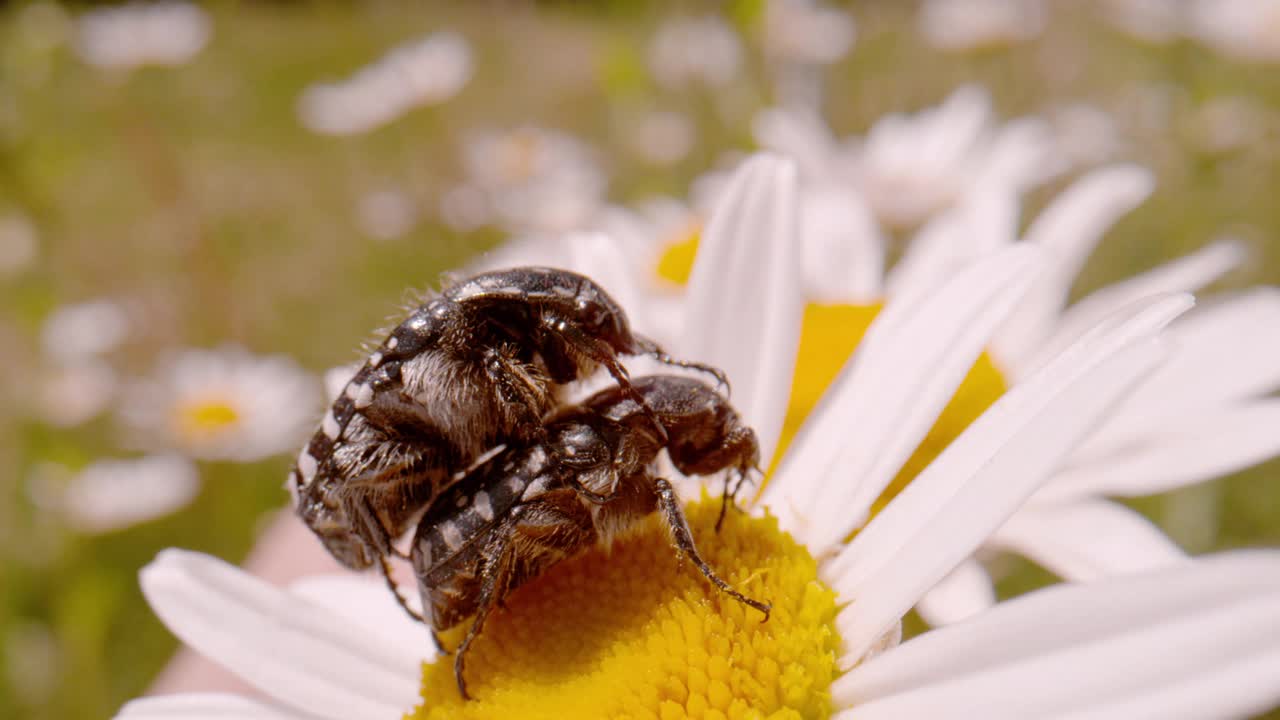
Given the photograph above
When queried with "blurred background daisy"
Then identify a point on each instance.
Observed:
(205, 207)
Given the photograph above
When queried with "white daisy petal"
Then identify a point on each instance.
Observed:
(798, 132)
(745, 304)
(961, 121)
(204, 706)
(1087, 540)
(907, 368)
(965, 591)
(984, 222)
(1138, 637)
(934, 248)
(1232, 689)
(112, 494)
(1194, 448)
(1068, 229)
(989, 471)
(843, 248)
(1186, 274)
(368, 603)
(1227, 351)
(1020, 155)
(291, 649)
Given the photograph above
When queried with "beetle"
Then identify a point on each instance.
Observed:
(531, 506)
(476, 366)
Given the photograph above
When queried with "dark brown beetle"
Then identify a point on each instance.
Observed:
(530, 507)
(477, 366)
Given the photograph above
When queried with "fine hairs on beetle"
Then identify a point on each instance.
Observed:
(476, 366)
(589, 478)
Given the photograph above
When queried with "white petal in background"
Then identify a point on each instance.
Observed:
(801, 134)
(745, 303)
(298, 652)
(1193, 448)
(964, 592)
(1186, 274)
(985, 221)
(112, 494)
(1193, 641)
(843, 248)
(1068, 230)
(84, 330)
(1227, 351)
(1087, 540)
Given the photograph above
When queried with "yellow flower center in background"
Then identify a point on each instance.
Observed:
(633, 633)
(206, 417)
(676, 263)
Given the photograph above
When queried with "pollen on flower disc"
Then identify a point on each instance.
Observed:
(633, 633)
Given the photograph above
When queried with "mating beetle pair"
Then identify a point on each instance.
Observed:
(482, 365)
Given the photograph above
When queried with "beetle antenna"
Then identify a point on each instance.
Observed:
(645, 346)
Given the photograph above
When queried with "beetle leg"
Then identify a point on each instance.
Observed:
(600, 352)
(514, 388)
(645, 346)
(591, 495)
(495, 576)
(385, 566)
(728, 500)
(682, 536)
(368, 525)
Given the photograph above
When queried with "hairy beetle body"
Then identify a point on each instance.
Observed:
(475, 367)
(591, 479)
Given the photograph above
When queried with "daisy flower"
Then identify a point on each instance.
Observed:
(386, 214)
(113, 494)
(1155, 21)
(528, 180)
(631, 633)
(806, 32)
(1246, 30)
(83, 331)
(138, 34)
(909, 168)
(695, 51)
(1202, 417)
(223, 404)
(661, 137)
(426, 72)
(800, 38)
(979, 24)
(67, 395)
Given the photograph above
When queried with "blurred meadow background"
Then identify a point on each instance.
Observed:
(229, 198)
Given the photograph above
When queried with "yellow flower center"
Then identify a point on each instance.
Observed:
(206, 417)
(634, 633)
(676, 263)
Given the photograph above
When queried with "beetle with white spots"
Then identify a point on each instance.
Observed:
(475, 367)
(591, 478)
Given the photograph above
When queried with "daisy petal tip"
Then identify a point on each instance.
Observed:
(1131, 182)
(167, 564)
(776, 166)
